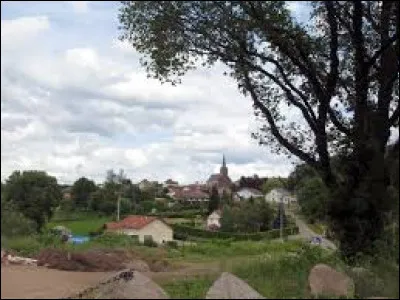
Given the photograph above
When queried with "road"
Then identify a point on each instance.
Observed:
(307, 234)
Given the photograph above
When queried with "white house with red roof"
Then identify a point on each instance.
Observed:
(142, 228)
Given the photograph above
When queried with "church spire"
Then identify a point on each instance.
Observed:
(223, 170)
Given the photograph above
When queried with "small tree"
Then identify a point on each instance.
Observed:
(81, 191)
(34, 193)
(214, 202)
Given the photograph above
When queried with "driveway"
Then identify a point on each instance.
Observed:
(307, 234)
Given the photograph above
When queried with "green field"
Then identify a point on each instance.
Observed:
(81, 227)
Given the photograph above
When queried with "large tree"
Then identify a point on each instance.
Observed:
(339, 73)
(34, 194)
(81, 192)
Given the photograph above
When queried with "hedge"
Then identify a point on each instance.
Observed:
(178, 214)
(182, 232)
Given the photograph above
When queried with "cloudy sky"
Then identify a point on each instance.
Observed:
(75, 102)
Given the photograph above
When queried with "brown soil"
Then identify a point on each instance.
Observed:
(30, 282)
(88, 261)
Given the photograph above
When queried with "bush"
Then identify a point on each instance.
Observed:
(14, 223)
(181, 214)
(28, 246)
(172, 244)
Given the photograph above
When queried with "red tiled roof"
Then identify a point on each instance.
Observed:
(131, 222)
(191, 193)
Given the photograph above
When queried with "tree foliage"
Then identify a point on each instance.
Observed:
(81, 192)
(339, 73)
(34, 194)
(313, 197)
(273, 183)
(215, 200)
(247, 217)
(254, 182)
(13, 222)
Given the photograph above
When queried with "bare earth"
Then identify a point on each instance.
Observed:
(30, 282)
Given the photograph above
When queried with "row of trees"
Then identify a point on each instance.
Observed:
(30, 198)
(86, 195)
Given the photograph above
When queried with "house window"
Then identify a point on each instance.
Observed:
(148, 237)
(135, 237)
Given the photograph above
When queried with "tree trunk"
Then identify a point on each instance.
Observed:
(358, 204)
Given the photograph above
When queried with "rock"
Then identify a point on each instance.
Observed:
(159, 266)
(326, 281)
(21, 260)
(136, 286)
(228, 286)
(4, 258)
(138, 265)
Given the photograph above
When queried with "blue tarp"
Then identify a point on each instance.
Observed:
(79, 239)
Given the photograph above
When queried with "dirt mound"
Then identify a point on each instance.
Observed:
(88, 261)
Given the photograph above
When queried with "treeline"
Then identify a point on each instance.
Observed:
(29, 199)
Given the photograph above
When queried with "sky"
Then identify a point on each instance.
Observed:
(76, 102)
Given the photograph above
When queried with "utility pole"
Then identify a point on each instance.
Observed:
(281, 220)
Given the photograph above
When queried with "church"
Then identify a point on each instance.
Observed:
(221, 180)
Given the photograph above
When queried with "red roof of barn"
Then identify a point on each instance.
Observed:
(131, 222)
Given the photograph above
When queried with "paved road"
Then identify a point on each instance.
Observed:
(307, 234)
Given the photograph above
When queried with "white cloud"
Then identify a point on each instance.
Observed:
(82, 109)
(79, 6)
(83, 57)
(22, 30)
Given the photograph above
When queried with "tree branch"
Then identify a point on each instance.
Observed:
(395, 117)
(383, 48)
(274, 129)
(335, 120)
(334, 60)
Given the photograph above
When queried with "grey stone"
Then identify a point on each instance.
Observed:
(326, 281)
(136, 287)
(228, 286)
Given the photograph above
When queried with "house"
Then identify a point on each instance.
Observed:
(247, 193)
(191, 195)
(142, 228)
(278, 195)
(214, 220)
(170, 183)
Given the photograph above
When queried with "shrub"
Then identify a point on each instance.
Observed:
(172, 244)
(28, 246)
(185, 231)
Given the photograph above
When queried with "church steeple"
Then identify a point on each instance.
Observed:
(223, 170)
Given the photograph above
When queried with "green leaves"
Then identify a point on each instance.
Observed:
(34, 193)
